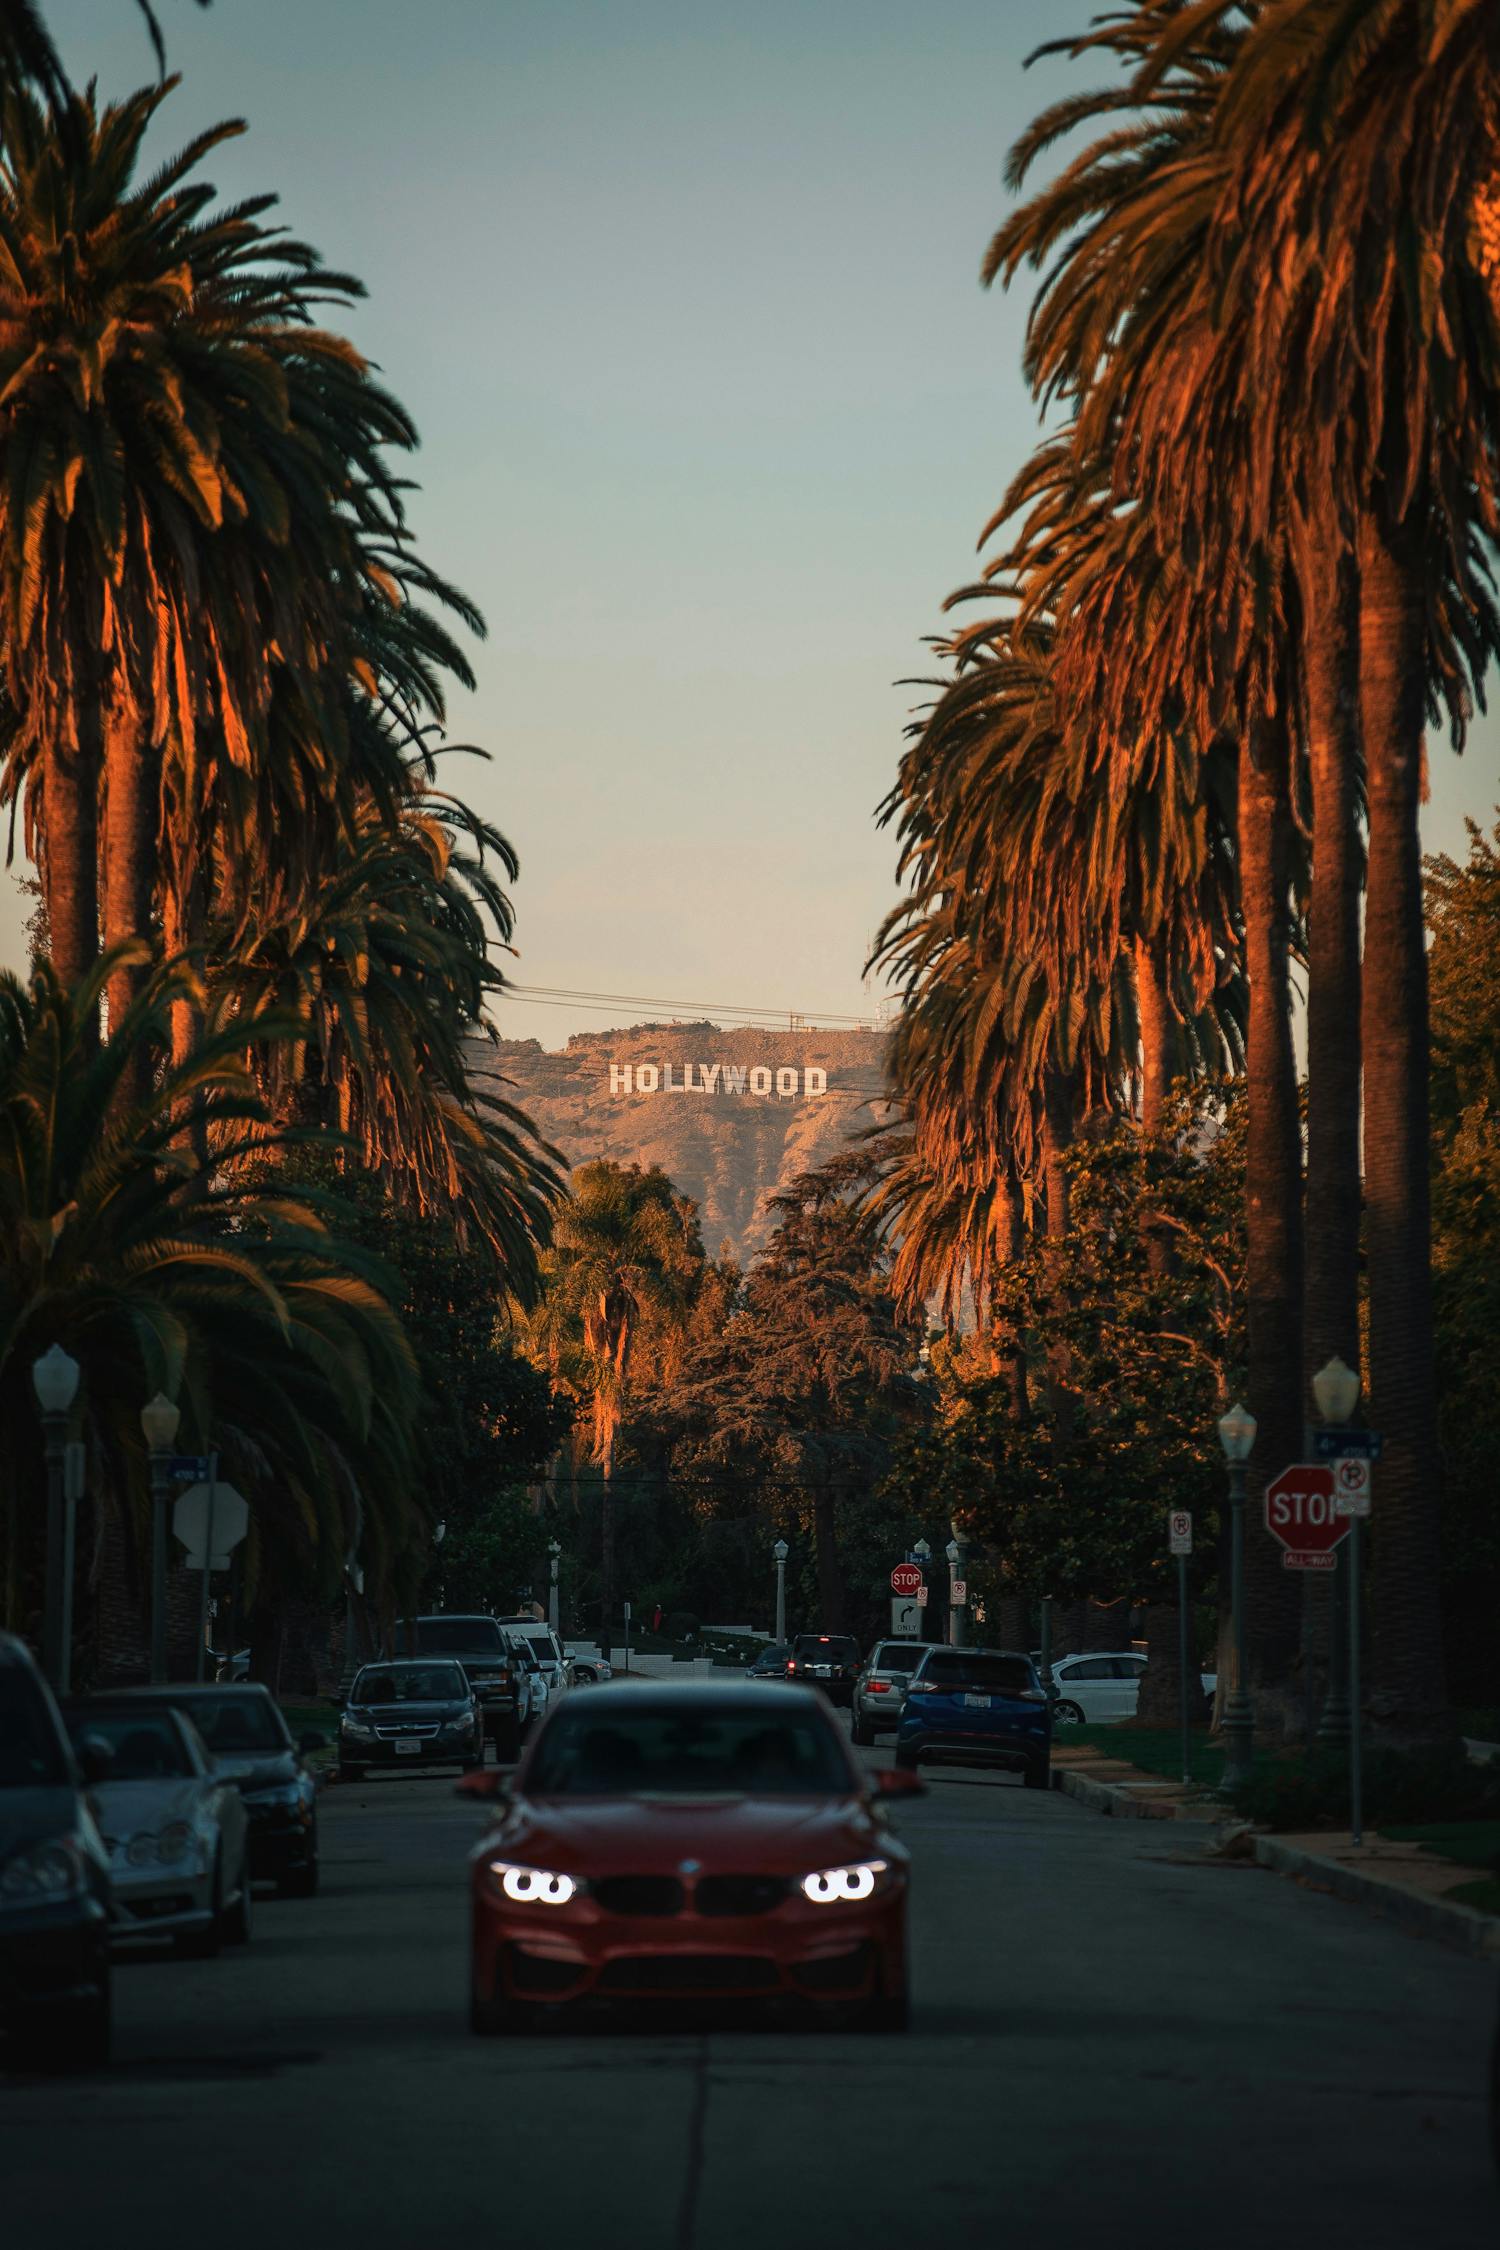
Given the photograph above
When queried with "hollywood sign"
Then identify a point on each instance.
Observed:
(718, 1078)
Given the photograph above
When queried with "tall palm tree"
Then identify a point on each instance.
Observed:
(617, 1258)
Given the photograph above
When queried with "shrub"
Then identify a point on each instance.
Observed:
(1401, 1787)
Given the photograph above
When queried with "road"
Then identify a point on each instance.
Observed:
(1115, 2042)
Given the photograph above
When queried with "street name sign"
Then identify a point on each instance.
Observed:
(1351, 1485)
(1180, 1532)
(190, 1468)
(1333, 1444)
(906, 1578)
(1300, 1513)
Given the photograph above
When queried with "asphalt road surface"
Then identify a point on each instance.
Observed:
(1114, 2043)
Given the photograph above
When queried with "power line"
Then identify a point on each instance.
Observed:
(565, 996)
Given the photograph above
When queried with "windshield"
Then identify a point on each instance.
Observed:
(658, 1749)
(455, 1636)
(146, 1745)
(1006, 1675)
(898, 1656)
(31, 1756)
(232, 1723)
(410, 1683)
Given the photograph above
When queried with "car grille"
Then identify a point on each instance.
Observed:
(689, 1972)
(406, 1734)
(638, 1894)
(739, 1894)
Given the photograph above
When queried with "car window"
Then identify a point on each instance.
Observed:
(898, 1656)
(31, 1753)
(1128, 1667)
(642, 1747)
(1005, 1675)
(232, 1723)
(147, 1745)
(410, 1683)
(1092, 1668)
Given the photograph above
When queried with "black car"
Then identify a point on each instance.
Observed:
(771, 1663)
(825, 1660)
(410, 1714)
(250, 1745)
(495, 1667)
(54, 1877)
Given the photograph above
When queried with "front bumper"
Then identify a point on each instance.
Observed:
(164, 1902)
(52, 1955)
(283, 1839)
(797, 1950)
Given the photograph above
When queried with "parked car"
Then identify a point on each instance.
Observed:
(594, 1885)
(410, 1714)
(771, 1663)
(54, 1877)
(589, 1667)
(533, 1681)
(250, 1744)
(482, 1648)
(1101, 1686)
(555, 1662)
(880, 1688)
(825, 1660)
(176, 1831)
(982, 1706)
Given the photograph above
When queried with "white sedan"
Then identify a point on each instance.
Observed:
(1101, 1686)
(175, 1830)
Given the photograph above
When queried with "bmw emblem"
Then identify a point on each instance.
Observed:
(690, 1867)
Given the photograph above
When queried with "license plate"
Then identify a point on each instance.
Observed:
(414, 1749)
(977, 1702)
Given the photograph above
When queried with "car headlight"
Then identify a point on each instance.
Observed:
(47, 1872)
(532, 1886)
(141, 1851)
(362, 1730)
(832, 1886)
(175, 1841)
(287, 1793)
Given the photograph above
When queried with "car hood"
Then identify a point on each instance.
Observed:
(256, 1769)
(35, 1816)
(122, 1808)
(653, 1835)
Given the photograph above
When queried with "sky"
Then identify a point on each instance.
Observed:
(684, 299)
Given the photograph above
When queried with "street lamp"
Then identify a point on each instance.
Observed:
(1237, 1436)
(54, 1378)
(554, 1556)
(955, 1614)
(159, 1419)
(779, 1554)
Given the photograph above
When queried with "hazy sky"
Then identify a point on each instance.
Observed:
(684, 300)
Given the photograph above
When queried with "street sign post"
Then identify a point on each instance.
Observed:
(1350, 1471)
(1301, 1515)
(210, 1519)
(1180, 1544)
(905, 1578)
(906, 1617)
(1351, 1485)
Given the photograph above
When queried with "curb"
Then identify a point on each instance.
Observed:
(1119, 1804)
(1462, 1927)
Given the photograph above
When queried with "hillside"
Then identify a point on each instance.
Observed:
(728, 1115)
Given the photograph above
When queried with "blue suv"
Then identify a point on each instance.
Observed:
(984, 1706)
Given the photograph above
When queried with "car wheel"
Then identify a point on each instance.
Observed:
(1038, 1775)
(240, 1918)
(350, 1773)
(302, 1882)
(202, 1945)
(508, 1742)
(1066, 1715)
(584, 1675)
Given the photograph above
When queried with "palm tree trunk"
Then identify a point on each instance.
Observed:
(825, 1540)
(1330, 1301)
(1160, 1044)
(607, 1553)
(131, 817)
(70, 861)
(1407, 1690)
(1273, 1199)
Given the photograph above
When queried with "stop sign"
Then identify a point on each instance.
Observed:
(906, 1579)
(1300, 1512)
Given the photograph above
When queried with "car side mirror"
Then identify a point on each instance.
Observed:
(308, 1743)
(95, 1757)
(484, 1783)
(897, 1781)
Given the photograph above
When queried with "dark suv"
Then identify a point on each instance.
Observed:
(483, 1648)
(54, 1876)
(825, 1660)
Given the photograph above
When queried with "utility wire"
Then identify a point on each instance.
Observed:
(754, 1012)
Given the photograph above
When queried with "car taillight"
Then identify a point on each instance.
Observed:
(1031, 1695)
(924, 1687)
(877, 1687)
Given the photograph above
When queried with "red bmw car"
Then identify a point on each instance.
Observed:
(689, 1841)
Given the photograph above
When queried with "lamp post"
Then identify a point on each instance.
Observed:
(922, 1555)
(1237, 1436)
(779, 1554)
(554, 1556)
(159, 1419)
(439, 1534)
(955, 1613)
(1336, 1389)
(54, 1378)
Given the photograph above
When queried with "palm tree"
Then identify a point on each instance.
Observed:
(618, 1257)
(211, 1285)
